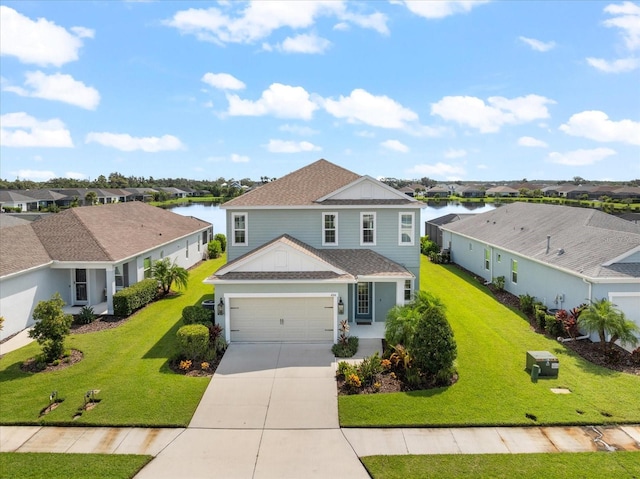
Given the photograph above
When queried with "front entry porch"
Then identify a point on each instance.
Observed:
(373, 330)
(99, 309)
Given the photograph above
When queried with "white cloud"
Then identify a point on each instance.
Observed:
(126, 142)
(440, 8)
(627, 19)
(597, 126)
(40, 42)
(304, 43)
(531, 142)
(298, 130)
(365, 134)
(282, 101)
(621, 65)
(491, 116)
(361, 106)
(395, 145)
(538, 45)
(223, 81)
(257, 20)
(75, 175)
(439, 170)
(58, 87)
(21, 130)
(282, 146)
(580, 157)
(34, 175)
(235, 158)
(452, 153)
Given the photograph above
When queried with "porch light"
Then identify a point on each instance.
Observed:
(221, 307)
(340, 306)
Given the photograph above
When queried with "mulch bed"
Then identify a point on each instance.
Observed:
(100, 324)
(32, 366)
(196, 370)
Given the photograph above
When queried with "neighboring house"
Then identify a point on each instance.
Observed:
(438, 191)
(469, 191)
(88, 253)
(564, 256)
(173, 192)
(15, 199)
(432, 228)
(503, 191)
(319, 245)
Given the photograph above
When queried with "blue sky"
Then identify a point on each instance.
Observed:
(456, 90)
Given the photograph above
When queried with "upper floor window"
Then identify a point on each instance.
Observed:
(239, 232)
(368, 229)
(329, 228)
(406, 229)
(514, 271)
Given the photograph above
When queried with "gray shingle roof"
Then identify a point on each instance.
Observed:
(299, 188)
(20, 249)
(111, 232)
(588, 238)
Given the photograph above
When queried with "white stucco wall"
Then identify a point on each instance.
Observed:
(21, 293)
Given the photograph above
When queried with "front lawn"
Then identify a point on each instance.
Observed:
(70, 466)
(128, 364)
(621, 465)
(493, 388)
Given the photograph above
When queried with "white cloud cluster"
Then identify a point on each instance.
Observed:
(58, 87)
(440, 8)
(308, 43)
(395, 145)
(626, 18)
(439, 170)
(126, 142)
(282, 146)
(580, 157)
(281, 101)
(597, 126)
(538, 45)
(34, 175)
(39, 42)
(491, 116)
(223, 81)
(531, 142)
(247, 23)
(20, 130)
(363, 107)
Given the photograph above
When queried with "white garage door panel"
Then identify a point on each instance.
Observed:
(281, 319)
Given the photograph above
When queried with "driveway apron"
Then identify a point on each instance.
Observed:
(270, 411)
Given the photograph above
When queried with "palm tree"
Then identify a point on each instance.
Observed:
(168, 273)
(602, 317)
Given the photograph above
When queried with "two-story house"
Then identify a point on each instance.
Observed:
(317, 246)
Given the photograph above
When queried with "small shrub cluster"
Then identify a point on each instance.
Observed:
(214, 249)
(527, 303)
(347, 345)
(193, 341)
(360, 375)
(85, 316)
(196, 315)
(134, 297)
(427, 246)
(222, 239)
(498, 282)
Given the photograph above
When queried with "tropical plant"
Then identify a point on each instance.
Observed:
(498, 282)
(91, 197)
(526, 303)
(168, 273)
(602, 317)
(86, 315)
(52, 327)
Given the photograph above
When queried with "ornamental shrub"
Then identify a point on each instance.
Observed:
(86, 315)
(134, 297)
(222, 239)
(193, 341)
(346, 350)
(51, 328)
(214, 249)
(196, 315)
(526, 303)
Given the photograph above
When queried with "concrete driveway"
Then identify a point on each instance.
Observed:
(270, 411)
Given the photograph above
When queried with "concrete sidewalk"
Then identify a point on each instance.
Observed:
(326, 443)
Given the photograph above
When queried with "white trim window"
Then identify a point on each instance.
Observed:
(146, 267)
(408, 290)
(487, 259)
(406, 229)
(329, 229)
(239, 229)
(514, 271)
(367, 229)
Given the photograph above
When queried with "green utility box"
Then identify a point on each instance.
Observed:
(548, 363)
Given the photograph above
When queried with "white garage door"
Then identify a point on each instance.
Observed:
(281, 319)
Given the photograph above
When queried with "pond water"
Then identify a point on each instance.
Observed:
(216, 216)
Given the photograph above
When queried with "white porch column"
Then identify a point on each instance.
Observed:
(400, 292)
(110, 286)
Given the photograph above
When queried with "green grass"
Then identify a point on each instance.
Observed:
(128, 364)
(70, 466)
(493, 388)
(591, 465)
(186, 201)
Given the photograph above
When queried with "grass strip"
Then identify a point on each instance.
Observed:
(593, 465)
(26, 465)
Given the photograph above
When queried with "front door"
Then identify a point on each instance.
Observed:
(364, 302)
(80, 286)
